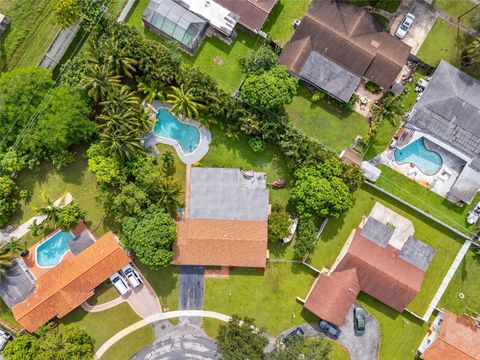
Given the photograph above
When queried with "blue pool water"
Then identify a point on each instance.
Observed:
(429, 162)
(168, 126)
(52, 250)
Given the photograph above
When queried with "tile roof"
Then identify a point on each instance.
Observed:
(253, 13)
(70, 283)
(350, 37)
(458, 339)
(221, 243)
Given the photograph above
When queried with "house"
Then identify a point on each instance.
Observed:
(36, 293)
(226, 219)
(253, 13)
(338, 45)
(381, 258)
(451, 337)
(4, 23)
(188, 21)
(447, 119)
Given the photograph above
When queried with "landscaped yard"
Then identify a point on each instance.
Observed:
(326, 122)
(105, 292)
(6, 317)
(269, 297)
(165, 284)
(32, 29)
(130, 344)
(455, 8)
(445, 243)
(280, 22)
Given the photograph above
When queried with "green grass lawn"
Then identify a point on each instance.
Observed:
(455, 8)
(130, 344)
(466, 281)
(428, 201)
(445, 243)
(279, 24)
(6, 317)
(269, 297)
(32, 29)
(325, 122)
(338, 351)
(105, 292)
(388, 5)
(165, 284)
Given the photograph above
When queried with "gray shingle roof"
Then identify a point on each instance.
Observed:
(377, 232)
(466, 186)
(15, 285)
(227, 194)
(417, 253)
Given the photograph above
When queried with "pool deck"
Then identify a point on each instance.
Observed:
(188, 159)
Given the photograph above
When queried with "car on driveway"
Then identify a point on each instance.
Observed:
(296, 332)
(5, 337)
(132, 276)
(405, 25)
(120, 284)
(359, 320)
(330, 330)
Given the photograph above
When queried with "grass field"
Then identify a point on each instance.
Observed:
(388, 5)
(32, 29)
(445, 243)
(130, 344)
(6, 317)
(456, 8)
(105, 292)
(326, 122)
(279, 24)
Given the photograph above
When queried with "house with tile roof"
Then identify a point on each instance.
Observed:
(451, 337)
(226, 219)
(380, 258)
(338, 45)
(36, 295)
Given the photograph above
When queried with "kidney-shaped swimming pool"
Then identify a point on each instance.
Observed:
(168, 126)
(51, 252)
(429, 162)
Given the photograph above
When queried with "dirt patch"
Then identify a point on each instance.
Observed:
(218, 60)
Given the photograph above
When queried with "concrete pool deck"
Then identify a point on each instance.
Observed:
(203, 146)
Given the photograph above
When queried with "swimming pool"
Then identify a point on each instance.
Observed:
(168, 126)
(51, 251)
(429, 162)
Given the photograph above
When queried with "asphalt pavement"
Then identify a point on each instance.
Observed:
(191, 291)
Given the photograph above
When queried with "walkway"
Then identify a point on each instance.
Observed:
(154, 318)
(102, 307)
(446, 280)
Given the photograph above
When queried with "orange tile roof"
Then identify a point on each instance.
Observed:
(458, 339)
(71, 282)
(221, 243)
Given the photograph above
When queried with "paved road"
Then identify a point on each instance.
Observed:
(191, 291)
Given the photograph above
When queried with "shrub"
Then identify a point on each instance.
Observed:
(257, 144)
(258, 61)
(278, 224)
(372, 87)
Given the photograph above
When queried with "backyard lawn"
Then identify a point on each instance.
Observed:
(456, 8)
(104, 293)
(327, 123)
(445, 243)
(279, 24)
(269, 297)
(130, 344)
(6, 317)
(32, 29)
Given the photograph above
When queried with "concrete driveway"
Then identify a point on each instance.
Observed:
(425, 16)
(143, 300)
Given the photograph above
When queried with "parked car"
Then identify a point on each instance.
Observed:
(330, 330)
(5, 337)
(120, 284)
(359, 320)
(132, 276)
(473, 214)
(296, 332)
(405, 25)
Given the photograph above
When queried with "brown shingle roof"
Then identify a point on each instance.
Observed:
(221, 243)
(458, 339)
(350, 37)
(70, 283)
(333, 295)
(253, 13)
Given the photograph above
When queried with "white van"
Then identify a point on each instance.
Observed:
(132, 276)
(120, 284)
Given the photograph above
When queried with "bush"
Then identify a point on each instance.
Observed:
(7, 201)
(257, 144)
(258, 61)
(372, 87)
(69, 217)
(306, 237)
(278, 224)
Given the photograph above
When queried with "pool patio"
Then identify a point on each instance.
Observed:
(201, 150)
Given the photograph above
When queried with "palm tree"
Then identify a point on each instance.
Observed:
(121, 97)
(52, 213)
(99, 80)
(15, 246)
(116, 118)
(390, 110)
(184, 102)
(473, 50)
(116, 59)
(151, 90)
(5, 260)
(168, 164)
(169, 193)
(124, 143)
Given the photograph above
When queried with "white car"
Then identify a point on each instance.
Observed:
(405, 25)
(5, 337)
(132, 276)
(120, 284)
(473, 214)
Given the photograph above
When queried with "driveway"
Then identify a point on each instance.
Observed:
(425, 16)
(143, 300)
(190, 293)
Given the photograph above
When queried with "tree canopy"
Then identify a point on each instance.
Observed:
(299, 348)
(7, 200)
(278, 224)
(258, 61)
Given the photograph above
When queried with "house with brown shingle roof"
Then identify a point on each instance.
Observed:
(226, 219)
(253, 13)
(70, 283)
(451, 337)
(337, 45)
(381, 259)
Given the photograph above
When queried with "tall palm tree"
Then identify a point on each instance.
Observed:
(99, 80)
(168, 163)
(473, 50)
(116, 118)
(169, 194)
(5, 260)
(151, 90)
(121, 97)
(389, 110)
(52, 213)
(15, 246)
(124, 143)
(117, 60)
(184, 102)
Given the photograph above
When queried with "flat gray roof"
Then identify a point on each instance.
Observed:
(417, 253)
(329, 76)
(227, 194)
(15, 285)
(80, 243)
(377, 232)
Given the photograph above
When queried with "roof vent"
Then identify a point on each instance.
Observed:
(375, 44)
